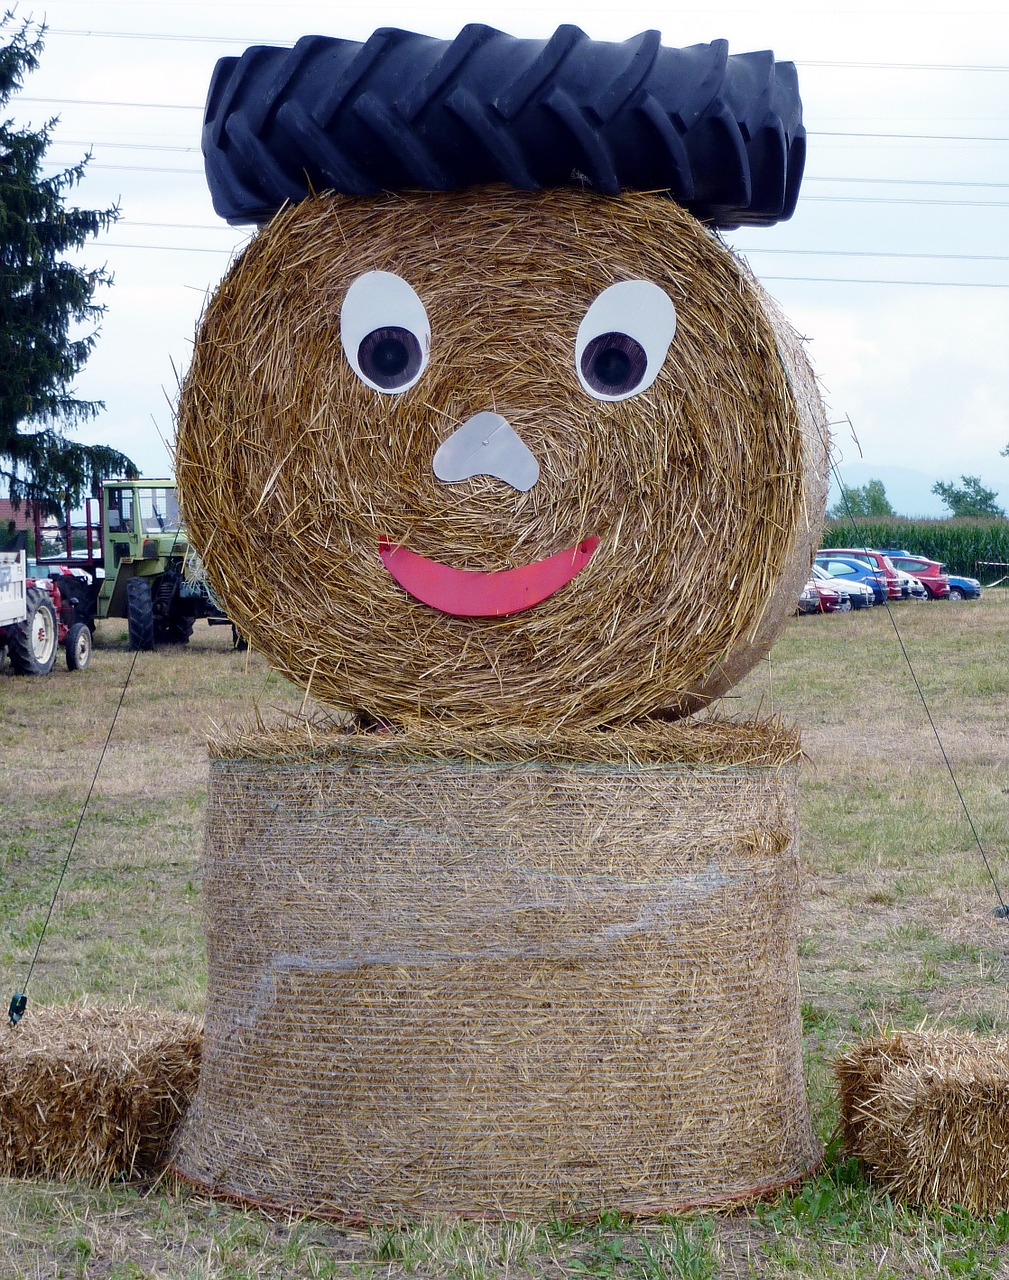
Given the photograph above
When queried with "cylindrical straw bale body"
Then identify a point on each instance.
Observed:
(705, 488)
(494, 982)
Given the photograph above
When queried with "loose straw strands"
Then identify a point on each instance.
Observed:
(716, 743)
(928, 1112)
(706, 491)
(93, 1092)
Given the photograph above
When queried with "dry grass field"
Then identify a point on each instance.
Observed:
(897, 929)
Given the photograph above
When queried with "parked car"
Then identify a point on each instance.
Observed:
(880, 562)
(961, 588)
(910, 586)
(930, 573)
(848, 569)
(859, 594)
(817, 597)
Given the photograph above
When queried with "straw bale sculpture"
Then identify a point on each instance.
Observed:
(490, 442)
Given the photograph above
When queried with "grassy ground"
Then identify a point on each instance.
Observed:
(897, 927)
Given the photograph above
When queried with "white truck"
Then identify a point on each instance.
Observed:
(31, 625)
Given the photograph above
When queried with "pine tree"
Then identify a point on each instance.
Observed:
(47, 312)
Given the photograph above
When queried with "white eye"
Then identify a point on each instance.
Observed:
(385, 332)
(623, 339)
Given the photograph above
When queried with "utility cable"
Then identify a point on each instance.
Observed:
(1001, 911)
(19, 1000)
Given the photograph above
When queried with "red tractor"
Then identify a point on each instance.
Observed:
(36, 618)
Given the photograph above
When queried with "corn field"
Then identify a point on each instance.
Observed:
(978, 548)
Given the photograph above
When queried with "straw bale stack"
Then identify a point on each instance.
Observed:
(93, 1092)
(928, 1112)
(706, 490)
(448, 974)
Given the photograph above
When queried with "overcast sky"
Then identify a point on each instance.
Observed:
(895, 264)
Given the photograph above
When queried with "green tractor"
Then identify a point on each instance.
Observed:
(130, 558)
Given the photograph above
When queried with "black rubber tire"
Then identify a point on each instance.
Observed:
(722, 133)
(177, 628)
(78, 646)
(140, 613)
(238, 641)
(955, 594)
(32, 644)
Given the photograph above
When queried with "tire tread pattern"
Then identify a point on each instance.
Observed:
(722, 133)
(139, 614)
(20, 650)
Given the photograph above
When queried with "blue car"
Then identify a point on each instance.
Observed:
(846, 567)
(963, 588)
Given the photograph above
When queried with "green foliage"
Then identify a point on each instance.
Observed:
(865, 500)
(47, 312)
(970, 499)
(961, 544)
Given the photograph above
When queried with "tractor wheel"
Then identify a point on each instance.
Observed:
(32, 644)
(78, 646)
(175, 629)
(140, 613)
(723, 134)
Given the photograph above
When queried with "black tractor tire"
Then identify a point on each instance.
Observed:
(32, 644)
(177, 628)
(723, 134)
(238, 641)
(78, 646)
(140, 613)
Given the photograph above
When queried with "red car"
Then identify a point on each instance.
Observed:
(930, 573)
(817, 597)
(881, 563)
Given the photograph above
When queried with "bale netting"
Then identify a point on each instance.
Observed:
(480, 978)
(93, 1092)
(705, 490)
(928, 1113)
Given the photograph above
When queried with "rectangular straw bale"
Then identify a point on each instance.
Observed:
(93, 1093)
(928, 1113)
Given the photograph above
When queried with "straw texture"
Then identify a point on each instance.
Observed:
(93, 1092)
(929, 1114)
(706, 490)
(483, 986)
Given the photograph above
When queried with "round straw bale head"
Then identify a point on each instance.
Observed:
(679, 488)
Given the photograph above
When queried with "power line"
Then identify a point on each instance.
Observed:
(906, 137)
(879, 253)
(107, 102)
(928, 284)
(812, 133)
(958, 67)
(886, 182)
(194, 149)
(916, 200)
(925, 284)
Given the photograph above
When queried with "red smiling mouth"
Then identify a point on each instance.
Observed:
(468, 593)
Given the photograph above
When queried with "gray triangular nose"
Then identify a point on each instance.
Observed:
(486, 445)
